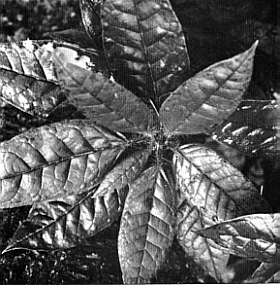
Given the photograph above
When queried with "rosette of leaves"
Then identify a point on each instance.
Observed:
(130, 156)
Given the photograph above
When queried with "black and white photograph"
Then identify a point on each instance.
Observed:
(139, 142)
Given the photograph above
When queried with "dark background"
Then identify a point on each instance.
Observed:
(214, 31)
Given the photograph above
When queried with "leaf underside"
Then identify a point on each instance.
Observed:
(254, 236)
(70, 220)
(54, 161)
(252, 128)
(101, 99)
(210, 189)
(208, 98)
(145, 40)
(146, 230)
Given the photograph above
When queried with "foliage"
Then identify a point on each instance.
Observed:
(121, 149)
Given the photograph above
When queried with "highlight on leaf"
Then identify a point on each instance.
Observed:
(254, 236)
(211, 96)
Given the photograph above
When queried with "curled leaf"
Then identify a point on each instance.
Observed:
(253, 236)
(146, 230)
(54, 161)
(208, 98)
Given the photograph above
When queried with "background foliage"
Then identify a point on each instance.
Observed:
(213, 33)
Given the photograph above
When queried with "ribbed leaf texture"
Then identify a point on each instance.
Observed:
(55, 161)
(210, 189)
(253, 236)
(145, 40)
(209, 97)
(101, 99)
(252, 128)
(68, 221)
(146, 230)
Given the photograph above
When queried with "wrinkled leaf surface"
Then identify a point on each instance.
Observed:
(54, 161)
(101, 99)
(68, 221)
(144, 39)
(210, 189)
(208, 98)
(146, 230)
(254, 236)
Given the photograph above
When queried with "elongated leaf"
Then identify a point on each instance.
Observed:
(145, 40)
(205, 252)
(54, 161)
(210, 189)
(102, 99)
(251, 128)
(146, 230)
(253, 236)
(90, 11)
(264, 273)
(66, 222)
(210, 97)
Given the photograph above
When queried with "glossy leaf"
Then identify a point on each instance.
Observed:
(28, 78)
(210, 189)
(265, 273)
(101, 99)
(145, 40)
(208, 98)
(55, 161)
(253, 236)
(146, 230)
(68, 221)
(251, 128)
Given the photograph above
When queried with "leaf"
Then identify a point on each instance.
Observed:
(264, 273)
(68, 221)
(210, 189)
(145, 40)
(28, 78)
(253, 236)
(101, 99)
(54, 161)
(204, 252)
(146, 230)
(208, 98)
(90, 11)
(251, 128)
(75, 36)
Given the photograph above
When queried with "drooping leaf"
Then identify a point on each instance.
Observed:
(210, 189)
(251, 128)
(55, 161)
(253, 236)
(265, 273)
(146, 230)
(145, 40)
(210, 97)
(90, 11)
(101, 99)
(68, 221)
